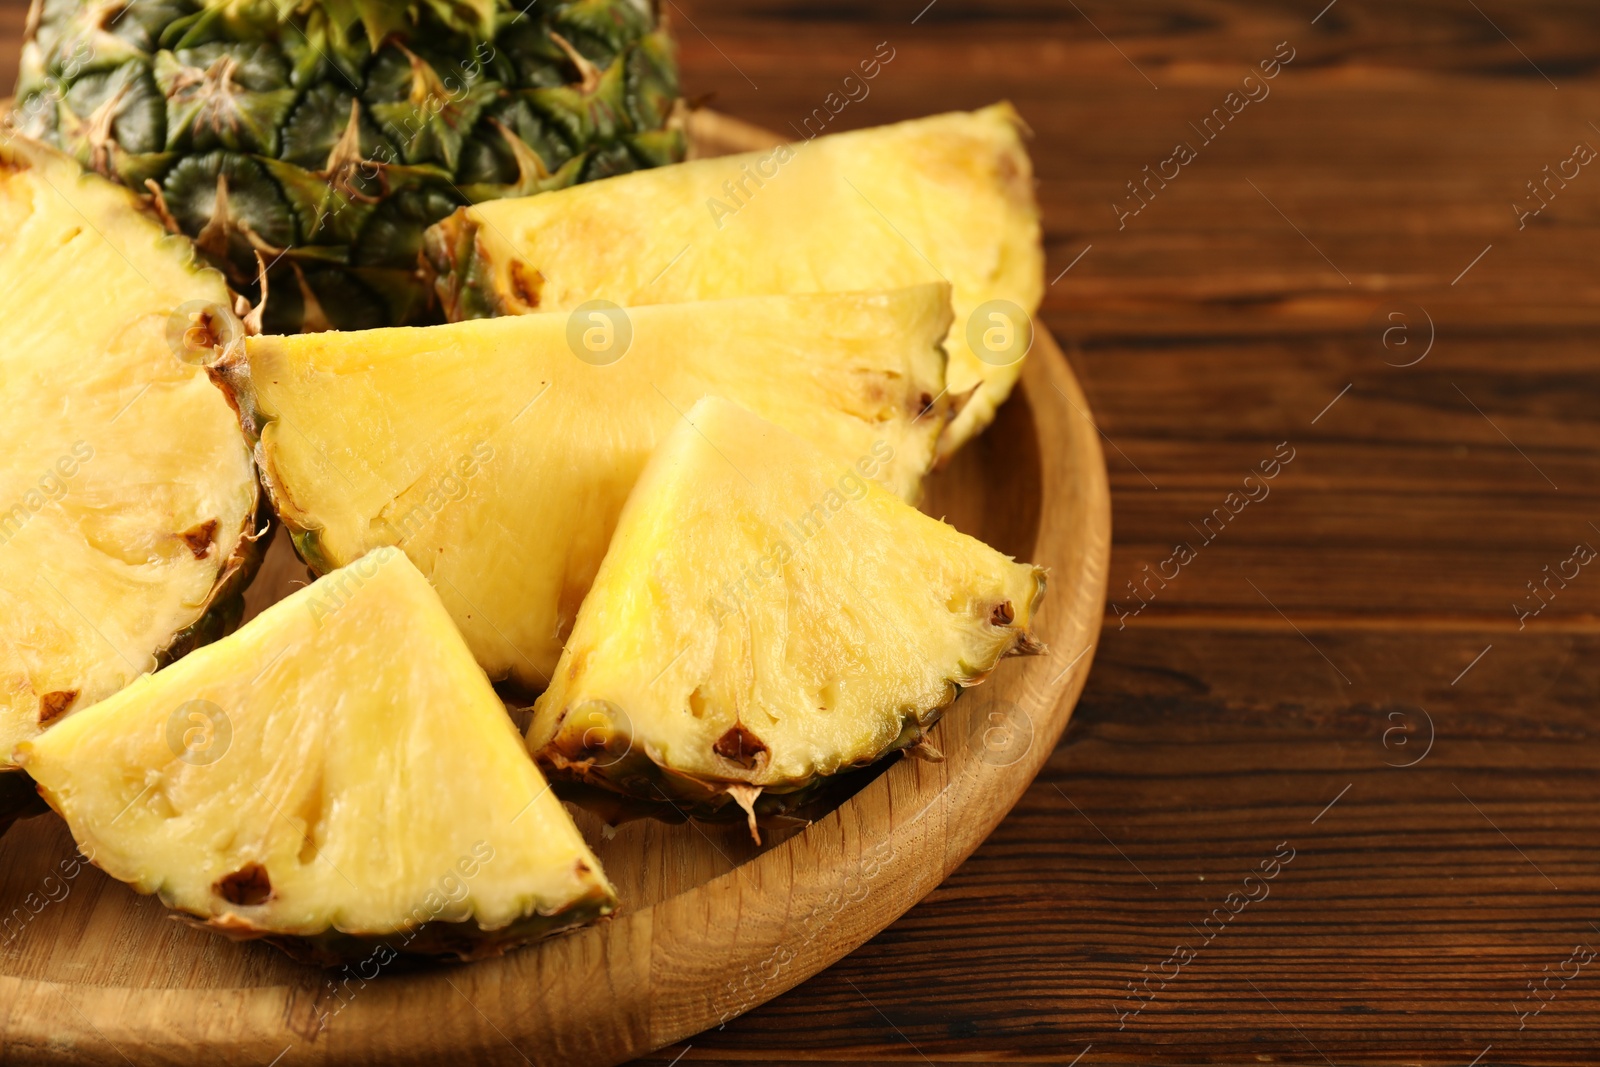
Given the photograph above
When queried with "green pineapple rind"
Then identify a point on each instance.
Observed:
(462, 279)
(224, 609)
(343, 128)
(231, 374)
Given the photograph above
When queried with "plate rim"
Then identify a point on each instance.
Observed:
(652, 977)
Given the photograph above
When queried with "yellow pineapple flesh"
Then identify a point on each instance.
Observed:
(498, 459)
(127, 500)
(767, 617)
(945, 198)
(337, 777)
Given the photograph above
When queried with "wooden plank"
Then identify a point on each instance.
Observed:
(1404, 930)
(1394, 189)
(1209, 328)
(1429, 492)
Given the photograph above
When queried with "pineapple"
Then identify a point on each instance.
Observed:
(766, 618)
(337, 778)
(128, 525)
(498, 458)
(944, 198)
(325, 135)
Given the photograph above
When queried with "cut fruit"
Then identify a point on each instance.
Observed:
(336, 778)
(949, 197)
(127, 500)
(499, 459)
(766, 618)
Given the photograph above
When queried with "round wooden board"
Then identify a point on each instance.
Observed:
(712, 926)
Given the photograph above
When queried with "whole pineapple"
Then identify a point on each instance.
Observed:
(324, 136)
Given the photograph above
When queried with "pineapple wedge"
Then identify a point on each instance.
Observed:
(499, 459)
(949, 197)
(766, 618)
(337, 778)
(128, 525)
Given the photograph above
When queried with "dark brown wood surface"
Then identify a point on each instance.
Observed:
(1359, 618)
(1336, 614)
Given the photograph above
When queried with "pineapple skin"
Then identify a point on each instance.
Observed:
(605, 724)
(225, 608)
(339, 129)
(435, 941)
(886, 386)
(943, 198)
(34, 181)
(74, 764)
(438, 942)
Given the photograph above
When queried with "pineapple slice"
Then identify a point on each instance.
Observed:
(765, 618)
(128, 524)
(337, 777)
(499, 460)
(949, 197)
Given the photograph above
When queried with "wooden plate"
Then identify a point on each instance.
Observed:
(712, 926)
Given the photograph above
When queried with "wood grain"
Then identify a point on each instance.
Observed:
(1205, 332)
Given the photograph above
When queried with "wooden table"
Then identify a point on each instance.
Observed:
(1339, 673)
(1274, 690)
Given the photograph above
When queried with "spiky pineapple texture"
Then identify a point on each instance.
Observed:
(325, 135)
